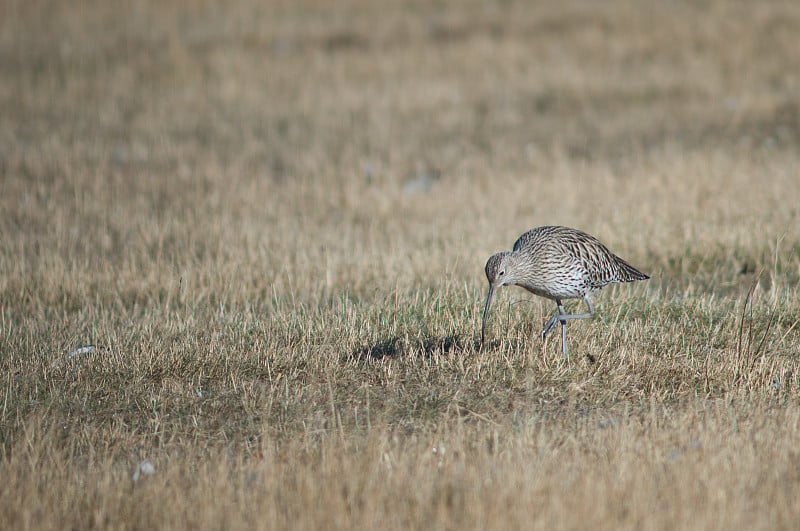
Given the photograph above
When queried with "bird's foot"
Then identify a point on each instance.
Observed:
(549, 326)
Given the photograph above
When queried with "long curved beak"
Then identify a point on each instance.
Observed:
(486, 312)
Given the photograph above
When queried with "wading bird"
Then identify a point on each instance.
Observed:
(557, 263)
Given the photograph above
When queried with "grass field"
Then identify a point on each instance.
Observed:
(271, 219)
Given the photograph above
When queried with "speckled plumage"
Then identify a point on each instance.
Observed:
(558, 263)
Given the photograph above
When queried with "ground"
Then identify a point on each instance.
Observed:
(271, 220)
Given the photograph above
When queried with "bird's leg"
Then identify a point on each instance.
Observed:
(563, 331)
(568, 317)
(552, 321)
(562, 317)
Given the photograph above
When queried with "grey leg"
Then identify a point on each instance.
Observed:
(553, 320)
(549, 326)
(563, 331)
(562, 317)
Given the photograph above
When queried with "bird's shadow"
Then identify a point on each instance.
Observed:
(396, 347)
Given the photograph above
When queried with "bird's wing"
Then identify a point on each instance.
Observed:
(520, 241)
(595, 261)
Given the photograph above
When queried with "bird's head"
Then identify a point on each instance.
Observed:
(499, 272)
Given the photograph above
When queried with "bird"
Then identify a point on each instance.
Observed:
(557, 263)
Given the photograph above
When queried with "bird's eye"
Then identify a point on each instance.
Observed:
(501, 273)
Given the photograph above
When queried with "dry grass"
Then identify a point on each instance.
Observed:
(229, 201)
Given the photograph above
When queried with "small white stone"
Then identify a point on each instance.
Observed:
(145, 468)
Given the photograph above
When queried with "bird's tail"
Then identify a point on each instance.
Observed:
(628, 273)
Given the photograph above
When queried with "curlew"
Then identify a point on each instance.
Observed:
(557, 263)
